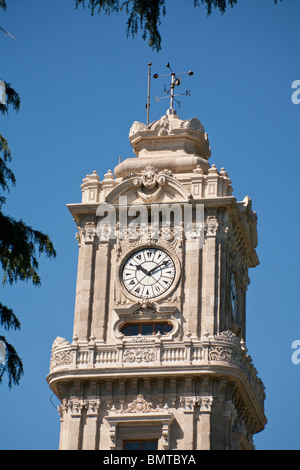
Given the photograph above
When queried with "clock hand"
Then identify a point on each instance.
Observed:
(142, 269)
(157, 267)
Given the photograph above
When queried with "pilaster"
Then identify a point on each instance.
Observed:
(204, 423)
(85, 277)
(101, 291)
(209, 281)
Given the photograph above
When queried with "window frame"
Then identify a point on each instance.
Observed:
(140, 325)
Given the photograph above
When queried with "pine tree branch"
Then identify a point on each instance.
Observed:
(8, 319)
(145, 14)
(13, 364)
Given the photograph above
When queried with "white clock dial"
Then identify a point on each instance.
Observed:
(148, 273)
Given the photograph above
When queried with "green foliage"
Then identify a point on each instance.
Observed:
(13, 365)
(18, 246)
(146, 14)
(8, 319)
(12, 99)
(6, 175)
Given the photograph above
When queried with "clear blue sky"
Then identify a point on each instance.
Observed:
(82, 85)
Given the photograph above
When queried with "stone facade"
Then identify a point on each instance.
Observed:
(194, 386)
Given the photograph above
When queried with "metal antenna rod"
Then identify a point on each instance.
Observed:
(148, 95)
(172, 86)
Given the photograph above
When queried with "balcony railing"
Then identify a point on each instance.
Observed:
(224, 349)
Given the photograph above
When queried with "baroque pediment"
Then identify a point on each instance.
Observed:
(150, 186)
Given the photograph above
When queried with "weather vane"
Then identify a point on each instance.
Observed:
(175, 81)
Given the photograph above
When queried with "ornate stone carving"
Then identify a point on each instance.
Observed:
(139, 355)
(89, 232)
(140, 339)
(205, 403)
(194, 124)
(59, 341)
(103, 231)
(211, 225)
(189, 402)
(228, 336)
(93, 406)
(140, 405)
(86, 230)
(224, 354)
(149, 185)
(75, 405)
(136, 127)
(60, 358)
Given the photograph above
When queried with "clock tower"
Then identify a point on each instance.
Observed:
(158, 357)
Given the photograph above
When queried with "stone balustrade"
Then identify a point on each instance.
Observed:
(223, 350)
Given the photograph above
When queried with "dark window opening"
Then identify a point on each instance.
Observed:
(146, 329)
(140, 445)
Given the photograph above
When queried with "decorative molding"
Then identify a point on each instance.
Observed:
(223, 354)
(211, 223)
(76, 405)
(140, 412)
(224, 349)
(189, 403)
(61, 357)
(206, 403)
(150, 185)
(139, 405)
(138, 355)
(86, 230)
(228, 336)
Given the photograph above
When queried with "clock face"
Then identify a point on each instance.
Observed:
(234, 297)
(148, 273)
